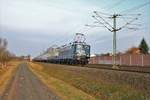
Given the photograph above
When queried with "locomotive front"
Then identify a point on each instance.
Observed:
(81, 53)
(81, 49)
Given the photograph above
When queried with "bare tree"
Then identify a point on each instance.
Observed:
(5, 55)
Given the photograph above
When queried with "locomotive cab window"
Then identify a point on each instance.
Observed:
(80, 50)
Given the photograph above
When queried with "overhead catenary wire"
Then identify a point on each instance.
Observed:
(103, 19)
(93, 26)
(101, 23)
(132, 28)
(131, 14)
(113, 29)
(136, 7)
(134, 24)
(85, 29)
(128, 23)
(106, 14)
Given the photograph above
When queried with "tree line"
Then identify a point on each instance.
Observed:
(5, 55)
(143, 48)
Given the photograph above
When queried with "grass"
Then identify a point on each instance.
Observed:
(62, 89)
(102, 85)
(6, 74)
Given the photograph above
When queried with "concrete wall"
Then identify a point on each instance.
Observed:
(123, 59)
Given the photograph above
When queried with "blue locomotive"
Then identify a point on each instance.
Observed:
(75, 53)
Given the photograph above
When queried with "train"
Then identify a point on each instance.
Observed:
(76, 53)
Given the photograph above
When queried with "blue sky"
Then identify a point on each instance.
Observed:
(30, 26)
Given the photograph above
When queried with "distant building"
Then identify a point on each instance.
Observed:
(92, 55)
(133, 50)
(28, 58)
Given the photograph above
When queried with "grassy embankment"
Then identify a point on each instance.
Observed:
(62, 89)
(101, 84)
(6, 74)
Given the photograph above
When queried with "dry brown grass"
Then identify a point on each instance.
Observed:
(6, 74)
(61, 88)
(102, 84)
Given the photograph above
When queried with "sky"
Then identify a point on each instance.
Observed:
(31, 26)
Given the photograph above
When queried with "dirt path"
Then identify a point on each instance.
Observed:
(26, 86)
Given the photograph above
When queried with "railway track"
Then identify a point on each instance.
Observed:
(122, 68)
(137, 69)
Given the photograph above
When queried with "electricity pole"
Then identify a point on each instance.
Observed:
(114, 40)
(112, 28)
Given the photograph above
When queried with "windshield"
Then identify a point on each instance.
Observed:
(80, 50)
